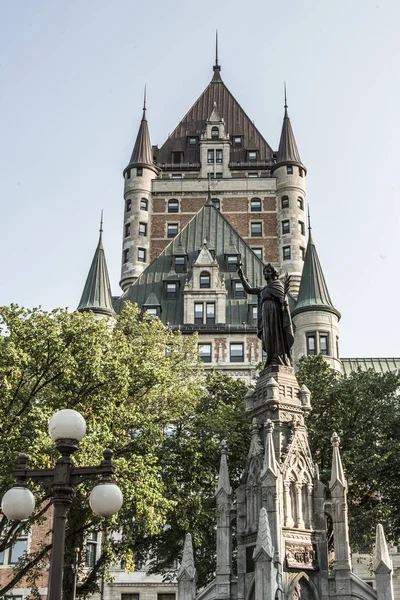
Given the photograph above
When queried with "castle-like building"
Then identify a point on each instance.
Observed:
(213, 196)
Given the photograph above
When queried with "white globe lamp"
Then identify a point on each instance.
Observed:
(18, 503)
(106, 499)
(67, 424)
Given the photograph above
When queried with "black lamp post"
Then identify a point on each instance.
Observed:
(66, 429)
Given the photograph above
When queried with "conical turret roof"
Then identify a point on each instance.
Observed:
(142, 153)
(287, 151)
(96, 295)
(313, 292)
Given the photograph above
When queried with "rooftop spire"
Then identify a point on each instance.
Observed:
(287, 151)
(216, 77)
(313, 289)
(187, 563)
(269, 454)
(96, 295)
(264, 540)
(142, 153)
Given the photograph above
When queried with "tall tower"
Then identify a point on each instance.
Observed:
(138, 177)
(290, 176)
(96, 296)
(314, 316)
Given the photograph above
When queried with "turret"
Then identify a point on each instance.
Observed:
(96, 296)
(138, 176)
(315, 318)
(290, 176)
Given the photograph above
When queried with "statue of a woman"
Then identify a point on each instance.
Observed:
(274, 324)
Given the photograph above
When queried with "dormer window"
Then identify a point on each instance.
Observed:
(237, 141)
(252, 155)
(177, 158)
(180, 264)
(215, 133)
(231, 262)
(192, 142)
(171, 289)
(205, 280)
(152, 311)
(238, 290)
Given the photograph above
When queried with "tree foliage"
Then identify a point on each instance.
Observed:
(130, 382)
(364, 409)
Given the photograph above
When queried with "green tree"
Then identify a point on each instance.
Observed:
(190, 465)
(364, 409)
(129, 382)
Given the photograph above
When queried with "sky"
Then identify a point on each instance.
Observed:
(72, 75)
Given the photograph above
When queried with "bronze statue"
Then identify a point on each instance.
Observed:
(274, 324)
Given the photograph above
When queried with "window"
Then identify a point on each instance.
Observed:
(144, 204)
(125, 256)
(286, 252)
(255, 205)
(236, 353)
(91, 548)
(254, 314)
(139, 171)
(141, 255)
(215, 133)
(238, 289)
(289, 170)
(300, 203)
(128, 205)
(173, 206)
(210, 313)
(285, 202)
(128, 174)
(171, 290)
(337, 353)
(256, 230)
(252, 175)
(180, 264)
(252, 155)
(129, 596)
(258, 252)
(301, 172)
(11, 555)
(323, 344)
(216, 203)
(176, 176)
(302, 253)
(301, 227)
(205, 279)
(286, 226)
(143, 229)
(198, 313)
(127, 229)
(151, 312)
(218, 156)
(231, 263)
(218, 176)
(177, 158)
(311, 344)
(172, 230)
(237, 141)
(192, 141)
(205, 352)
(210, 156)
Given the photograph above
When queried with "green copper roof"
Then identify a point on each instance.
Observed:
(210, 225)
(97, 292)
(287, 151)
(313, 292)
(379, 365)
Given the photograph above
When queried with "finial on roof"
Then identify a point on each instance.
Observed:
(101, 222)
(286, 105)
(216, 67)
(144, 99)
(309, 219)
(337, 473)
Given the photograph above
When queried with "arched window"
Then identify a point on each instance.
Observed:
(214, 133)
(173, 206)
(205, 279)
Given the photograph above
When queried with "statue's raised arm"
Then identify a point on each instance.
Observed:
(274, 324)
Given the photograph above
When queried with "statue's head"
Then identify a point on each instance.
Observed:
(270, 272)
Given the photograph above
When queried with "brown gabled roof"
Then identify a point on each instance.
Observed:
(236, 123)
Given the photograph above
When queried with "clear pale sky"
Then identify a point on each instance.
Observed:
(72, 74)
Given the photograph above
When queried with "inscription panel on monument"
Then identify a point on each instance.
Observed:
(300, 556)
